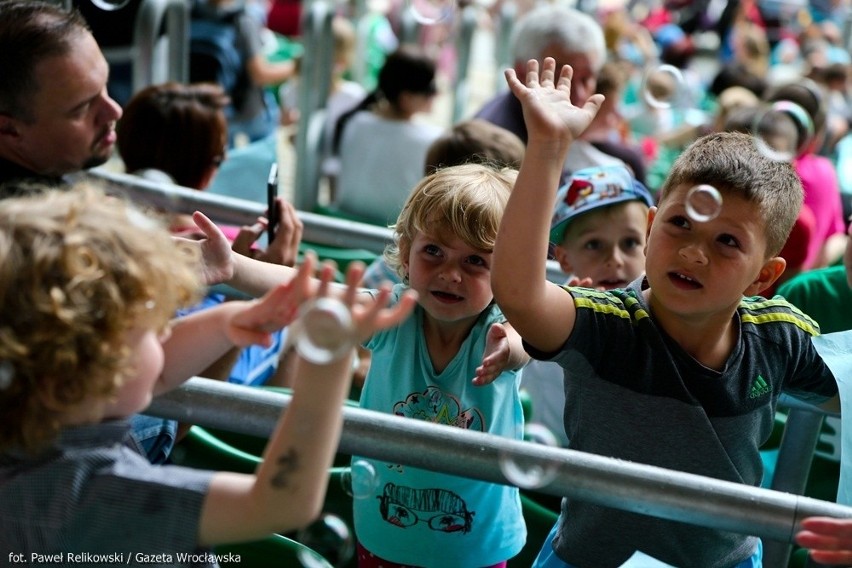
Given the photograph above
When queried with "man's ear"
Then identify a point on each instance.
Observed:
(769, 273)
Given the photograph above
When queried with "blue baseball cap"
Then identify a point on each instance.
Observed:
(591, 188)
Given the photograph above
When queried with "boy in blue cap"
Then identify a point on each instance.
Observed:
(597, 232)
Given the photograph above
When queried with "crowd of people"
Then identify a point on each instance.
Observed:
(585, 158)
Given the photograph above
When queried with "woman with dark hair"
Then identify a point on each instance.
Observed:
(381, 144)
(176, 128)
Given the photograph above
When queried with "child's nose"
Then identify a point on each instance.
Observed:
(693, 253)
(451, 274)
(615, 257)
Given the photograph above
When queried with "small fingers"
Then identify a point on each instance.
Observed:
(354, 274)
(532, 73)
(548, 71)
(327, 272)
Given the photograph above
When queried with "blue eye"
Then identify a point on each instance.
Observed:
(432, 249)
(476, 260)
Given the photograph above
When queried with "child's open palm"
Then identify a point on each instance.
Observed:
(546, 101)
(280, 306)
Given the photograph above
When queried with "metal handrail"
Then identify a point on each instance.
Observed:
(149, 20)
(141, 50)
(320, 229)
(609, 482)
(314, 87)
(464, 47)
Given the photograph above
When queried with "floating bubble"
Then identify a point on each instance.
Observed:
(330, 539)
(324, 331)
(527, 472)
(783, 130)
(662, 86)
(430, 12)
(110, 5)
(540, 434)
(703, 203)
(360, 481)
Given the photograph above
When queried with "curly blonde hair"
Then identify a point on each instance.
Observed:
(466, 201)
(78, 270)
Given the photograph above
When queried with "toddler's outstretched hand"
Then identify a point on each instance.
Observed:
(496, 357)
(369, 317)
(546, 100)
(218, 266)
(829, 540)
(278, 307)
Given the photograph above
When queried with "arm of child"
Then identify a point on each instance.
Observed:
(251, 276)
(542, 312)
(829, 540)
(198, 339)
(289, 487)
(503, 350)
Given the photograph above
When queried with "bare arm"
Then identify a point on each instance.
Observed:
(541, 312)
(265, 73)
(249, 275)
(199, 339)
(289, 488)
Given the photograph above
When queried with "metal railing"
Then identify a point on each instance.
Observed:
(320, 229)
(149, 64)
(315, 83)
(609, 482)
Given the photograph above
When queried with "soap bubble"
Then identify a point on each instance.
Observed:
(662, 86)
(703, 203)
(328, 537)
(783, 130)
(324, 331)
(361, 480)
(527, 472)
(110, 5)
(430, 12)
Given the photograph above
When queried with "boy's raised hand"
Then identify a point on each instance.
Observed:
(546, 101)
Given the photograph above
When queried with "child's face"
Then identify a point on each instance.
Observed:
(135, 394)
(453, 279)
(606, 245)
(706, 268)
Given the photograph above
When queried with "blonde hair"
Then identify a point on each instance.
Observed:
(78, 270)
(466, 201)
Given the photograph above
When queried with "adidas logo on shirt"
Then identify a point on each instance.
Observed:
(759, 388)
